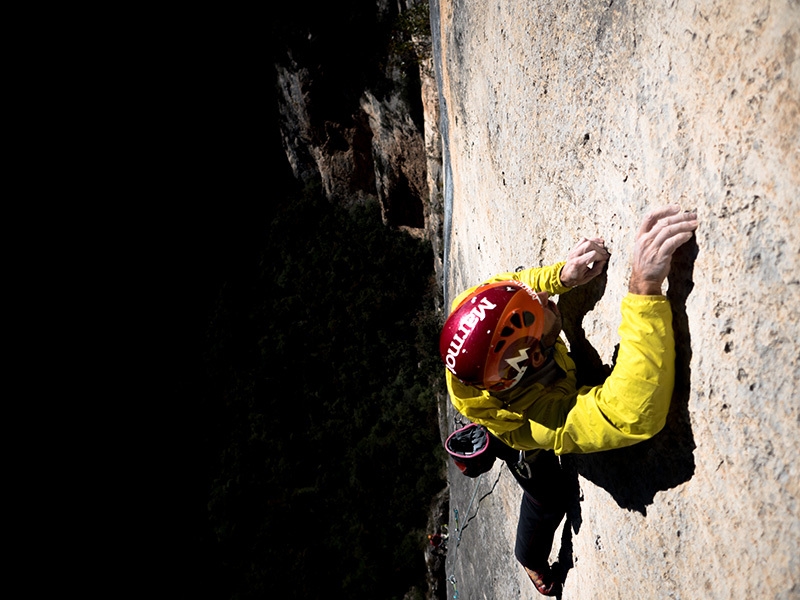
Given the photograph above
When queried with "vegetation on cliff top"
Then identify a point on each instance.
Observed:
(327, 452)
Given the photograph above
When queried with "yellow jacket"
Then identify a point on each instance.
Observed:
(629, 407)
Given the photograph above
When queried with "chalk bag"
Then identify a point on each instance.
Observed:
(469, 449)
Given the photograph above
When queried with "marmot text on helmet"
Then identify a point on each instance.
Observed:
(487, 340)
(478, 313)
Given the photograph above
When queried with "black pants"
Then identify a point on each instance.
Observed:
(544, 503)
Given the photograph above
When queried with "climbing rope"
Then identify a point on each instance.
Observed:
(452, 579)
(460, 530)
(471, 500)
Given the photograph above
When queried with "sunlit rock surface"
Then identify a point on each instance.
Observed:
(563, 120)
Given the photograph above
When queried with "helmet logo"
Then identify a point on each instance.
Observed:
(521, 357)
(478, 313)
(514, 363)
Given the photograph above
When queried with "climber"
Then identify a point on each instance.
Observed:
(437, 540)
(508, 370)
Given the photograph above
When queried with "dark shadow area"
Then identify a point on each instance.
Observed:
(573, 523)
(635, 474)
(574, 306)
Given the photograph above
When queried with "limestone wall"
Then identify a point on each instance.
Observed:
(570, 119)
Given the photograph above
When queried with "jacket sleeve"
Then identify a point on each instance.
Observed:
(540, 279)
(629, 407)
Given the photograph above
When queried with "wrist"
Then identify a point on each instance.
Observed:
(565, 282)
(644, 287)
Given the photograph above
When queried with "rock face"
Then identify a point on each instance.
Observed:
(563, 120)
(338, 155)
(379, 154)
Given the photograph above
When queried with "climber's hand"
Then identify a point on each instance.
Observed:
(584, 262)
(662, 232)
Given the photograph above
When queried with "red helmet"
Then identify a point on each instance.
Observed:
(492, 337)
